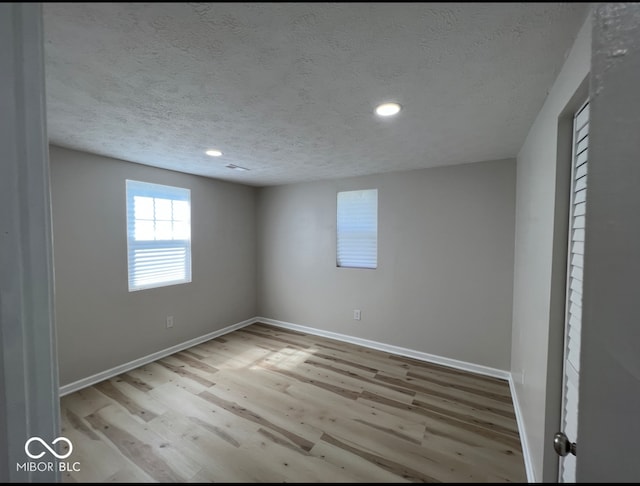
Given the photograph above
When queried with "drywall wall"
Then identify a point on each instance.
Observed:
(539, 240)
(445, 261)
(610, 363)
(100, 324)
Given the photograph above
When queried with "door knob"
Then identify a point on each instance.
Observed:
(563, 445)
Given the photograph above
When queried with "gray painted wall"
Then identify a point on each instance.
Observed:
(445, 261)
(608, 422)
(539, 239)
(99, 323)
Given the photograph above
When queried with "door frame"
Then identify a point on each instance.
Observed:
(29, 402)
(610, 363)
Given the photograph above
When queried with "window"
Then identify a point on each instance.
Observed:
(357, 229)
(158, 235)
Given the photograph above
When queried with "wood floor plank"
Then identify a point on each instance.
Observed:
(192, 361)
(492, 458)
(174, 365)
(366, 437)
(135, 401)
(191, 405)
(304, 411)
(397, 392)
(277, 338)
(453, 422)
(476, 414)
(174, 425)
(151, 375)
(320, 410)
(367, 357)
(416, 365)
(232, 354)
(364, 470)
(135, 382)
(346, 363)
(96, 457)
(443, 391)
(498, 386)
(263, 457)
(265, 404)
(276, 405)
(252, 416)
(155, 375)
(396, 468)
(221, 460)
(313, 380)
(85, 401)
(286, 463)
(327, 373)
(143, 446)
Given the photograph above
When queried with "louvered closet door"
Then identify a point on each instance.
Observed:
(573, 323)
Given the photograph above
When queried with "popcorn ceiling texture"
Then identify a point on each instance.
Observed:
(288, 90)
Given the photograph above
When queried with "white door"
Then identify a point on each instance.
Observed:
(573, 319)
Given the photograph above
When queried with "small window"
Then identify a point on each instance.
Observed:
(357, 229)
(158, 235)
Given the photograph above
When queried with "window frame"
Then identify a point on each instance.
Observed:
(135, 188)
(351, 264)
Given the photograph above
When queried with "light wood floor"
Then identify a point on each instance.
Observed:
(263, 404)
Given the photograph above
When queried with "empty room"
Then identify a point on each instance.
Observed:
(309, 242)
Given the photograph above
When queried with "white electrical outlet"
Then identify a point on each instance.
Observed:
(169, 321)
(356, 314)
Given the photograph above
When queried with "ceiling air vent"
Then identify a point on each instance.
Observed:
(236, 167)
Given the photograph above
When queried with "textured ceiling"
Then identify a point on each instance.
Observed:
(288, 90)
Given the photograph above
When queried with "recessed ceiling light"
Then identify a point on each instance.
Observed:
(236, 167)
(213, 153)
(388, 109)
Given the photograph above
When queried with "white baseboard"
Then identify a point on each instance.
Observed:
(411, 353)
(526, 454)
(136, 363)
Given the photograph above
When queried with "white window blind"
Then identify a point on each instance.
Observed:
(357, 229)
(158, 235)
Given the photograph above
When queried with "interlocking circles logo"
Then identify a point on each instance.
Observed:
(36, 447)
(46, 446)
